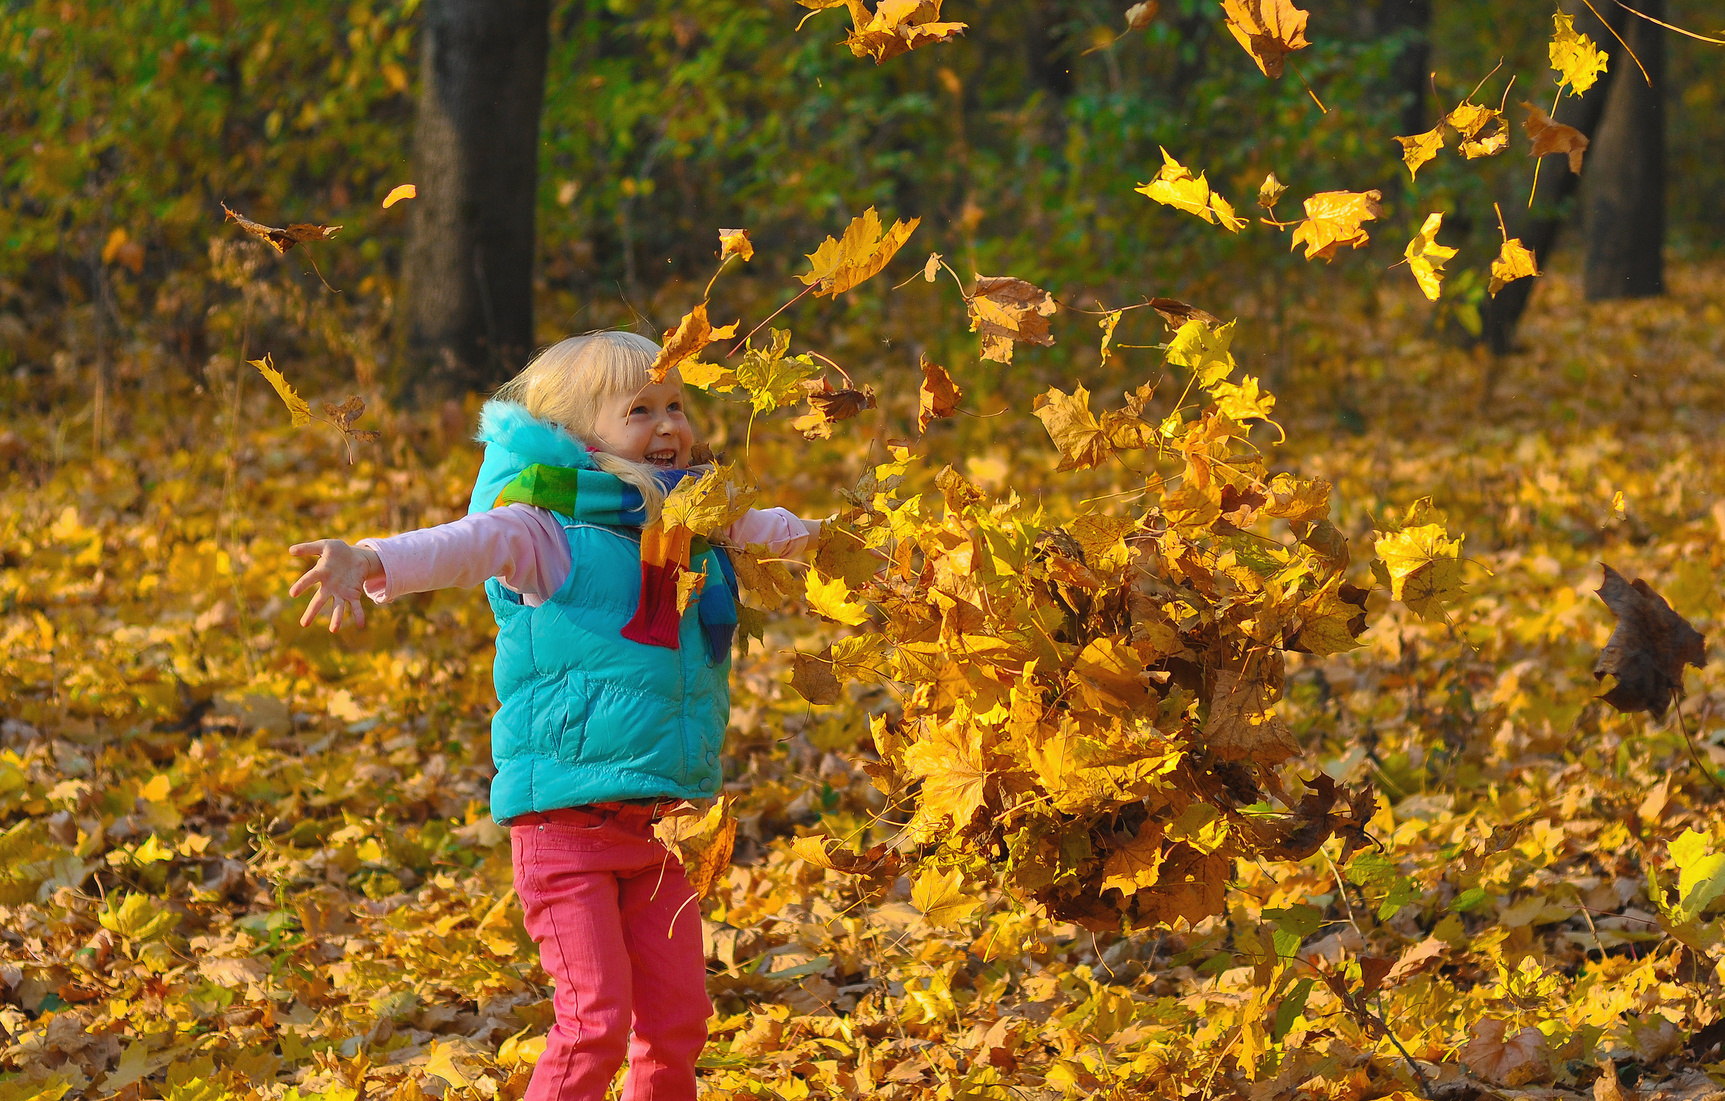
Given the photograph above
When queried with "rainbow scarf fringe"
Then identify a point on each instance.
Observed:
(594, 497)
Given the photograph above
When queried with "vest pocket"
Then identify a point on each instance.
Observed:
(574, 692)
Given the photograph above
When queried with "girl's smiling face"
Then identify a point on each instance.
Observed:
(647, 426)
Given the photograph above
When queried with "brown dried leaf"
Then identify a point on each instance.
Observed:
(938, 395)
(282, 239)
(828, 406)
(703, 843)
(1269, 30)
(1647, 650)
(1554, 137)
(1243, 724)
(1506, 1060)
(1003, 310)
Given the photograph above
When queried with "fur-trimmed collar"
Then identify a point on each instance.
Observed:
(510, 426)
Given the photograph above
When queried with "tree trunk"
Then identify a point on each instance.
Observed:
(467, 295)
(1625, 193)
(1537, 227)
(1409, 71)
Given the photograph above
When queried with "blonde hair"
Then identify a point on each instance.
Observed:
(570, 381)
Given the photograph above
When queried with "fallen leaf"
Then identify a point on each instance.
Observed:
(1514, 261)
(1506, 1060)
(1554, 137)
(1426, 257)
(1648, 648)
(398, 193)
(937, 397)
(1004, 310)
(282, 239)
(1333, 219)
(1269, 30)
(297, 407)
(842, 263)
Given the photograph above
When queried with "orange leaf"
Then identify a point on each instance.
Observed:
(1269, 30)
(1554, 137)
(1333, 219)
(938, 395)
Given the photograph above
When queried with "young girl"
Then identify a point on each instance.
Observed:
(613, 707)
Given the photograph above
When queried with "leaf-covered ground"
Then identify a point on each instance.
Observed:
(246, 859)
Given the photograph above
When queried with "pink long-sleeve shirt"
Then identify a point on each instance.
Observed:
(525, 548)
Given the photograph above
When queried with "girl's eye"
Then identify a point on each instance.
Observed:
(675, 407)
(642, 409)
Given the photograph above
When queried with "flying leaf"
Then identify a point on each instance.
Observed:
(1177, 313)
(708, 504)
(1331, 620)
(1270, 191)
(838, 265)
(282, 239)
(896, 27)
(692, 334)
(1514, 261)
(1203, 347)
(828, 406)
(1648, 648)
(1138, 863)
(1175, 186)
(1269, 30)
(1424, 567)
(1139, 15)
(398, 193)
(297, 407)
(1468, 119)
(703, 843)
(772, 378)
(1577, 61)
(1426, 257)
(735, 242)
(1004, 310)
(707, 376)
(1334, 218)
(813, 679)
(1243, 724)
(1554, 137)
(830, 598)
(1421, 148)
(1072, 427)
(941, 898)
(954, 783)
(937, 397)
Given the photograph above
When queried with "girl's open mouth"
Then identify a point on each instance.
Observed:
(664, 460)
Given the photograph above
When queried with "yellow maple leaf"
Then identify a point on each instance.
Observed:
(1203, 348)
(398, 193)
(1426, 257)
(1136, 864)
(830, 598)
(842, 263)
(1175, 186)
(442, 1064)
(1514, 261)
(1420, 148)
(947, 761)
(703, 843)
(1242, 724)
(692, 334)
(1424, 567)
(1576, 59)
(941, 897)
(1072, 427)
(1269, 30)
(735, 242)
(1333, 219)
(896, 27)
(297, 407)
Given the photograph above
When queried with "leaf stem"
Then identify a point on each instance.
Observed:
(1694, 752)
(769, 317)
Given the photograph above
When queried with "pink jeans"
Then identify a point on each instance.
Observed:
(612, 914)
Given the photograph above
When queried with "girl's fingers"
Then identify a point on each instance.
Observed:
(306, 550)
(335, 616)
(312, 607)
(306, 581)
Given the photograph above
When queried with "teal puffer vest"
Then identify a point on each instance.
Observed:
(586, 715)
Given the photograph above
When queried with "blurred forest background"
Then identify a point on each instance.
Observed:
(124, 127)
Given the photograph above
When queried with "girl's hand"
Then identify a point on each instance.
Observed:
(340, 576)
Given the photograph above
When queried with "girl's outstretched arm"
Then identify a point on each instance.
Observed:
(340, 576)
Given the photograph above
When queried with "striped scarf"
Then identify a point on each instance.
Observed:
(594, 497)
